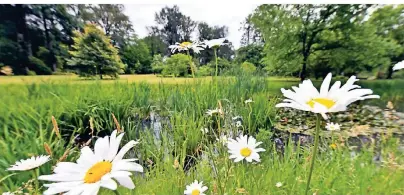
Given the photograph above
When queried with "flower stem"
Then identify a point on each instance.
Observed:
(316, 139)
(215, 52)
(191, 64)
(35, 173)
(116, 192)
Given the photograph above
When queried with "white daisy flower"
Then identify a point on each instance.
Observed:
(214, 111)
(197, 47)
(333, 127)
(95, 169)
(238, 124)
(7, 193)
(244, 147)
(335, 99)
(30, 163)
(195, 188)
(278, 185)
(399, 65)
(215, 42)
(223, 139)
(248, 101)
(204, 130)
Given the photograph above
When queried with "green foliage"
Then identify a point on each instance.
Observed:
(222, 63)
(248, 68)
(206, 71)
(134, 53)
(38, 66)
(93, 54)
(176, 65)
(252, 53)
(157, 64)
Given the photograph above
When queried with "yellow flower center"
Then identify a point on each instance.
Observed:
(246, 152)
(323, 101)
(95, 173)
(185, 44)
(195, 192)
(333, 146)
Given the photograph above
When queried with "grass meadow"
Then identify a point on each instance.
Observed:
(167, 115)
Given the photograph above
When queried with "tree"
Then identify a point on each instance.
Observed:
(291, 31)
(251, 35)
(175, 26)
(111, 18)
(157, 64)
(137, 52)
(93, 54)
(252, 53)
(154, 41)
(389, 22)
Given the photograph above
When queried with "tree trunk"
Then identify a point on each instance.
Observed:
(302, 74)
(390, 72)
(24, 46)
(48, 40)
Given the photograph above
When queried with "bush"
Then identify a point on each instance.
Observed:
(248, 68)
(157, 64)
(206, 71)
(39, 66)
(176, 65)
(222, 63)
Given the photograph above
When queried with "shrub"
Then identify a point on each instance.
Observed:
(157, 64)
(248, 67)
(206, 71)
(39, 66)
(176, 65)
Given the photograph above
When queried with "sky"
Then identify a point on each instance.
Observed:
(142, 15)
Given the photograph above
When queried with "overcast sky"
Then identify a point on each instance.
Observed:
(219, 14)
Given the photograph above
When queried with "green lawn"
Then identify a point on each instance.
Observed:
(27, 104)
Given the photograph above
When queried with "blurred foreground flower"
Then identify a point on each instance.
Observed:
(195, 188)
(197, 47)
(30, 163)
(399, 65)
(95, 169)
(335, 99)
(244, 147)
(333, 127)
(278, 185)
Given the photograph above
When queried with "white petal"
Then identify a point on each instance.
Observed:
(126, 166)
(114, 146)
(125, 181)
(91, 189)
(124, 149)
(108, 183)
(101, 147)
(325, 85)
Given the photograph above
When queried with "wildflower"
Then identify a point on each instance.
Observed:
(214, 111)
(248, 101)
(333, 127)
(278, 184)
(306, 97)
(238, 124)
(195, 188)
(223, 139)
(31, 163)
(204, 130)
(399, 65)
(244, 147)
(215, 42)
(197, 47)
(95, 169)
(333, 146)
(7, 193)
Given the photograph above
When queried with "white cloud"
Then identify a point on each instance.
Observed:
(142, 15)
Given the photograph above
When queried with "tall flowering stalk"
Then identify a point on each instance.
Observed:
(215, 44)
(335, 99)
